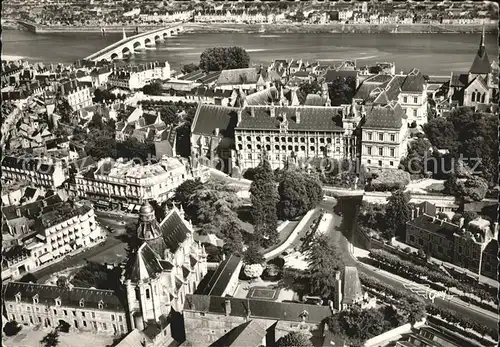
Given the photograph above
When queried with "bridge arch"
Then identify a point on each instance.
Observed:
(172, 32)
(166, 34)
(157, 38)
(114, 56)
(126, 51)
(147, 41)
(137, 44)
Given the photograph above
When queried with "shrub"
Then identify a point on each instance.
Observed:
(253, 270)
(11, 328)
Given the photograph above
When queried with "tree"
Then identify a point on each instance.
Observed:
(154, 88)
(299, 16)
(11, 328)
(342, 90)
(51, 339)
(375, 70)
(308, 88)
(264, 197)
(183, 192)
(314, 190)
(419, 151)
(101, 147)
(188, 68)
(233, 240)
(294, 339)
(222, 58)
(324, 261)
(252, 254)
(293, 197)
(97, 276)
(397, 213)
(132, 148)
(469, 216)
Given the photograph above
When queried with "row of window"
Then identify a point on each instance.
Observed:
(391, 163)
(369, 151)
(292, 139)
(74, 312)
(284, 148)
(39, 320)
(381, 137)
(406, 99)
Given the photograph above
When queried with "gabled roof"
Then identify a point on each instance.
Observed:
(210, 117)
(481, 64)
(238, 76)
(249, 334)
(435, 226)
(332, 75)
(352, 285)
(143, 264)
(221, 277)
(174, 230)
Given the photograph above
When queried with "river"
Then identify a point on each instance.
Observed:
(433, 54)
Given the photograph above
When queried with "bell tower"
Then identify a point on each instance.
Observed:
(148, 230)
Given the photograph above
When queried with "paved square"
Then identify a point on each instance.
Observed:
(262, 293)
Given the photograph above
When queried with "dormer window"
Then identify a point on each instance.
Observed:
(100, 305)
(18, 297)
(35, 299)
(82, 303)
(58, 301)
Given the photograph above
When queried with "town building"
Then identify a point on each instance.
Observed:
(55, 231)
(246, 79)
(384, 136)
(123, 184)
(465, 246)
(136, 77)
(42, 172)
(76, 94)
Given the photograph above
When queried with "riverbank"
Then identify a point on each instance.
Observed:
(277, 28)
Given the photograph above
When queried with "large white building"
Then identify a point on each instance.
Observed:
(77, 94)
(125, 184)
(41, 172)
(136, 77)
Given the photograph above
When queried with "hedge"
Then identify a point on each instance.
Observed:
(415, 272)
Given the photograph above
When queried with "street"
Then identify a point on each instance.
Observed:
(348, 208)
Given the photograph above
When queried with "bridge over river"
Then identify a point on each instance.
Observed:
(129, 45)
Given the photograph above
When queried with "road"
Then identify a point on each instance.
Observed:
(348, 208)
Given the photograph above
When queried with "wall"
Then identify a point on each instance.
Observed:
(292, 236)
(391, 335)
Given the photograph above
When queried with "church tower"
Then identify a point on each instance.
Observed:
(481, 64)
(149, 231)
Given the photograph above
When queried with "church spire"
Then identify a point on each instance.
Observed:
(482, 48)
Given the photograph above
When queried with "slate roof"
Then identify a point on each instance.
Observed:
(238, 76)
(143, 264)
(414, 82)
(481, 63)
(174, 230)
(257, 308)
(425, 222)
(332, 75)
(263, 97)
(31, 210)
(314, 100)
(69, 297)
(311, 118)
(28, 164)
(210, 117)
(384, 117)
(221, 277)
(459, 80)
(249, 334)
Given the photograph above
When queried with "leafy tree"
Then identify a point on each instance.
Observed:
(183, 192)
(324, 260)
(51, 339)
(469, 216)
(472, 189)
(397, 213)
(299, 16)
(252, 254)
(11, 328)
(96, 275)
(250, 173)
(183, 147)
(375, 70)
(29, 277)
(102, 147)
(419, 151)
(233, 240)
(169, 115)
(222, 58)
(188, 68)
(132, 148)
(154, 88)
(308, 88)
(294, 339)
(342, 90)
(293, 197)
(264, 198)
(314, 190)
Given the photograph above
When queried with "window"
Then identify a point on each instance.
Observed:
(277, 147)
(420, 242)
(148, 296)
(381, 137)
(392, 152)
(268, 139)
(83, 314)
(391, 163)
(290, 139)
(312, 148)
(296, 149)
(239, 138)
(393, 137)
(249, 138)
(259, 146)
(112, 317)
(460, 250)
(119, 318)
(104, 326)
(240, 146)
(415, 100)
(277, 139)
(302, 139)
(249, 155)
(412, 238)
(85, 324)
(283, 148)
(414, 113)
(405, 99)
(249, 146)
(302, 148)
(369, 161)
(74, 313)
(55, 312)
(82, 303)
(440, 249)
(380, 151)
(380, 163)
(311, 140)
(268, 147)
(283, 139)
(328, 140)
(258, 138)
(290, 148)
(369, 150)
(369, 136)
(93, 314)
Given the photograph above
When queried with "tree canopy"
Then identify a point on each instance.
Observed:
(154, 88)
(264, 196)
(342, 90)
(397, 213)
(223, 58)
(51, 339)
(294, 339)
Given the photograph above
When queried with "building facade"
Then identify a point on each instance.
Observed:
(40, 172)
(384, 136)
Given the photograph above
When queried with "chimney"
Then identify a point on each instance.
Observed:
(297, 115)
(337, 304)
(412, 214)
(240, 115)
(216, 131)
(252, 111)
(272, 110)
(227, 307)
(18, 212)
(418, 211)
